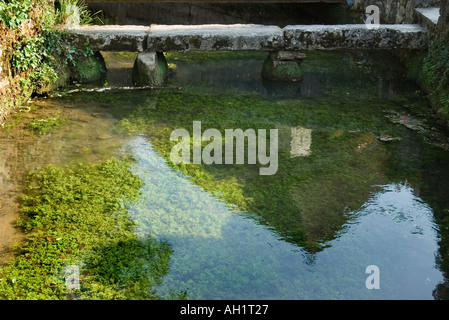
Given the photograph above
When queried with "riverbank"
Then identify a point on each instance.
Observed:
(33, 58)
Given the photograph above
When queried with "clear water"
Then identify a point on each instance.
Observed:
(223, 254)
(313, 228)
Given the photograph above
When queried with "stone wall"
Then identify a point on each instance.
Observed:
(281, 14)
(396, 11)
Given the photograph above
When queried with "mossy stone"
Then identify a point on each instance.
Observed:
(150, 69)
(62, 69)
(282, 70)
(89, 69)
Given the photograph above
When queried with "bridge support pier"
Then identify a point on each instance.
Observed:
(283, 66)
(150, 69)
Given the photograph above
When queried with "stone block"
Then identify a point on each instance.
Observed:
(150, 69)
(213, 37)
(110, 37)
(282, 70)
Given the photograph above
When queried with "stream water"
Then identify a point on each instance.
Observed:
(361, 177)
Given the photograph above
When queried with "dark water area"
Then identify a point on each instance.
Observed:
(361, 174)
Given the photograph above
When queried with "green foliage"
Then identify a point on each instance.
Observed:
(68, 8)
(77, 216)
(34, 48)
(28, 53)
(43, 76)
(436, 77)
(14, 13)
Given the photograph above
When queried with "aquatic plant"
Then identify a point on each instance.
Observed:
(46, 125)
(77, 216)
(343, 151)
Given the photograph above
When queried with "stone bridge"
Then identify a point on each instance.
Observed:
(286, 45)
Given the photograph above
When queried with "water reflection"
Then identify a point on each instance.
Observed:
(222, 254)
(301, 142)
(215, 74)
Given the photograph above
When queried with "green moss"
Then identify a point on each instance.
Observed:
(77, 216)
(345, 151)
(89, 69)
(435, 77)
(171, 45)
(144, 75)
(195, 41)
(46, 125)
(282, 70)
(222, 44)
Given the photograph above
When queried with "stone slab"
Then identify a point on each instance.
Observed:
(354, 36)
(241, 37)
(214, 37)
(110, 37)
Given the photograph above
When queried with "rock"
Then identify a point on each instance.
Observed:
(88, 69)
(287, 55)
(282, 70)
(150, 69)
(104, 136)
(284, 66)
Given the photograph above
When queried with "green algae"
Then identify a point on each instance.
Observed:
(77, 216)
(309, 199)
(308, 202)
(88, 69)
(45, 125)
(345, 157)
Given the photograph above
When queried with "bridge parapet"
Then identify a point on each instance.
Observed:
(284, 44)
(165, 38)
(355, 36)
